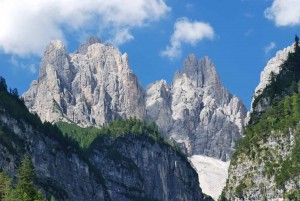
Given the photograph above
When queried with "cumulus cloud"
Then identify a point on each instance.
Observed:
(30, 67)
(187, 32)
(284, 12)
(28, 25)
(270, 47)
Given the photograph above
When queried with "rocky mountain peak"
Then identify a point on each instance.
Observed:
(55, 58)
(90, 41)
(201, 71)
(55, 45)
(190, 64)
(91, 86)
(196, 110)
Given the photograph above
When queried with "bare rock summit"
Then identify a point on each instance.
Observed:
(197, 111)
(92, 86)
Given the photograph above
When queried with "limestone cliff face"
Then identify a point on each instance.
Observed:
(138, 167)
(91, 86)
(197, 111)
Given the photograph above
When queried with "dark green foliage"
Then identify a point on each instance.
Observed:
(10, 103)
(84, 136)
(293, 195)
(5, 186)
(3, 86)
(132, 126)
(222, 197)
(239, 189)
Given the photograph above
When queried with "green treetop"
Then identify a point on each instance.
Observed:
(25, 188)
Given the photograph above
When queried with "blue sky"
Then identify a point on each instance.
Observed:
(239, 36)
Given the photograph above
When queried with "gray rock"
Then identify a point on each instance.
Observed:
(197, 111)
(93, 86)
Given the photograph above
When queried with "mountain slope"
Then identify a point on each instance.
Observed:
(266, 164)
(197, 111)
(115, 167)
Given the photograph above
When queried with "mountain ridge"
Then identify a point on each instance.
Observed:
(95, 85)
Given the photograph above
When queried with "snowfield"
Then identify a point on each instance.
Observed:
(212, 174)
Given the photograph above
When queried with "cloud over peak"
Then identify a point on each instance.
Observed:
(270, 47)
(284, 12)
(187, 32)
(28, 25)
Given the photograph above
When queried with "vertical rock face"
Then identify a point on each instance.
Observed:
(136, 168)
(92, 86)
(197, 111)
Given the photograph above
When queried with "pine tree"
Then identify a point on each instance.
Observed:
(296, 43)
(5, 186)
(25, 188)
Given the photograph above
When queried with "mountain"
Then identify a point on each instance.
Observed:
(197, 111)
(116, 166)
(92, 86)
(267, 161)
(95, 85)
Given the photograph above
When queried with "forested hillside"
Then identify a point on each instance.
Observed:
(267, 161)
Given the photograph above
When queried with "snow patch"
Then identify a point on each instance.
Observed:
(212, 174)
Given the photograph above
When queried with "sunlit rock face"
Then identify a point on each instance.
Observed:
(196, 110)
(92, 86)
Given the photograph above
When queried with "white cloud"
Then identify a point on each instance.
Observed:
(248, 32)
(27, 26)
(15, 62)
(284, 12)
(270, 47)
(187, 32)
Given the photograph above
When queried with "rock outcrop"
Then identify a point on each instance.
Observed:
(197, 111)
(92, 86)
